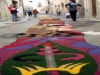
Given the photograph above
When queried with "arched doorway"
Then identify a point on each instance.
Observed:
(94, 9)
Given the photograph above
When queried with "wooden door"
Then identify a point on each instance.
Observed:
(94, 9)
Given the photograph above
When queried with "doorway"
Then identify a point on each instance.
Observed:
(94, 9)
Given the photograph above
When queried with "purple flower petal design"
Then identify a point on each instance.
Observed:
(94, 51)
(83, 45)
(23, 47)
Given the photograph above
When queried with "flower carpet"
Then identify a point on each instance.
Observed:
(50, 49)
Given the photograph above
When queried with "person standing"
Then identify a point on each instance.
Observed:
(58, 11)
(19, 14)
(73, 7)
(46, 11)
(13, 11)
(29, 13)
(67, 15)
(35, 12)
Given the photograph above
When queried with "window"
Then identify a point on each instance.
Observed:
(39, 4)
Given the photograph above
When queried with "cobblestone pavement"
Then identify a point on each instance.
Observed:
(90, 28)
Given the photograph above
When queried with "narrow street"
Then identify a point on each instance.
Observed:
(9, 30)
(49, 37)
(90, 28)
(60, 57)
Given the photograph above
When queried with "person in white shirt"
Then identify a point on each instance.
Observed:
(58, 11)
(68, 15)
(19, 14)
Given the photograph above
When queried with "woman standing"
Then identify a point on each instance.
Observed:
(73, 7)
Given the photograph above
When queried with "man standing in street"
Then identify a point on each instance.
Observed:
(73, 7)
(13, 10)
(35, 12)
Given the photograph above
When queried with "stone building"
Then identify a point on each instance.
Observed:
(60, 4)
(92, 9)
(4, 13)
(82, 9)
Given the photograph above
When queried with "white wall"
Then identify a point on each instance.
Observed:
(98, 5)
(34, 4)
(5, 14)
(58, 2)
(88, 9)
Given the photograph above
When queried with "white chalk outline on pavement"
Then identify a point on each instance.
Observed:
(91, 33)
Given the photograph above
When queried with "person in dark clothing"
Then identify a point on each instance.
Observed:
(14, 13)
(73, 7)
(29, 13)
(59, 12)
(25, 12)
(46, 11)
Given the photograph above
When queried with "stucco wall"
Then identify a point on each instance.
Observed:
(82, 9)
(98, 5)
(34, 4)
(4, 12)
(88, 9)
(59, 2)
(64, 10)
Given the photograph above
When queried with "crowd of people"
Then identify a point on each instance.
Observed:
(72, 6)
(31, 12)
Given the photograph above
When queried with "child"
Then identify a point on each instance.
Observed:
(19, 14)
(68, 15)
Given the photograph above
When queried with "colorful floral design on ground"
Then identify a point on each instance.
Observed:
(50, 55)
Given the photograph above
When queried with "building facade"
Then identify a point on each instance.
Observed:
(60, 4)
(92, 9)
(40, 5)
(4, 13)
